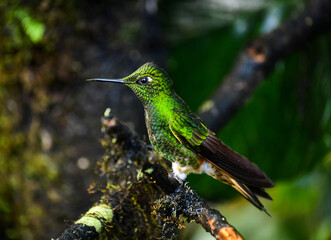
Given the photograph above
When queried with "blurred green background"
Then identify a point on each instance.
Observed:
(285, 127)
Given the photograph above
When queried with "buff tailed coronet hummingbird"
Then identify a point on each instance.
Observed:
(186, 141)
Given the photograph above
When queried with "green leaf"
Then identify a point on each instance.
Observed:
(34, 29)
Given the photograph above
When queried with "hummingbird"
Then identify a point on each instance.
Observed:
(182, 137)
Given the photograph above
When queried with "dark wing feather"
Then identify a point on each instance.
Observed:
(233, 163)
(193, 134)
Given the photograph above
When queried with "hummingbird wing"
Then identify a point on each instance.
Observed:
(193, 134)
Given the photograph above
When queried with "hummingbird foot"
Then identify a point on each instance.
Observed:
(180, 180)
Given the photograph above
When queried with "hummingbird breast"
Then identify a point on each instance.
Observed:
(165, 143)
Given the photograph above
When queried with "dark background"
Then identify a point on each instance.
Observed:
(50, 117)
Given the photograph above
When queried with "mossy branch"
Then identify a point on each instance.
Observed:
(91, 225)
(140, 199)
(182, 204)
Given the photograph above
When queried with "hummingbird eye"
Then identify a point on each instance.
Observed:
(143, 80)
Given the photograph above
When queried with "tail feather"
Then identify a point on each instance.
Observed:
(260, 192)
(251, 193)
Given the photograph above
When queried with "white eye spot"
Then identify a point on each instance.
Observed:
(144, 80)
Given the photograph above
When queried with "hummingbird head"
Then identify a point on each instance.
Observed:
(147, 82)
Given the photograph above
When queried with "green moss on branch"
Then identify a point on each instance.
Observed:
(97, 217)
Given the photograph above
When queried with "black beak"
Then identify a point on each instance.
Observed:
(107, 80)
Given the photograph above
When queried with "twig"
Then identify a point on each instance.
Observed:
(258, 59)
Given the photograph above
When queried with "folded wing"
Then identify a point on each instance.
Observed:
(193, 134)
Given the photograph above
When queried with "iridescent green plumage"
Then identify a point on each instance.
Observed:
(183, 138)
